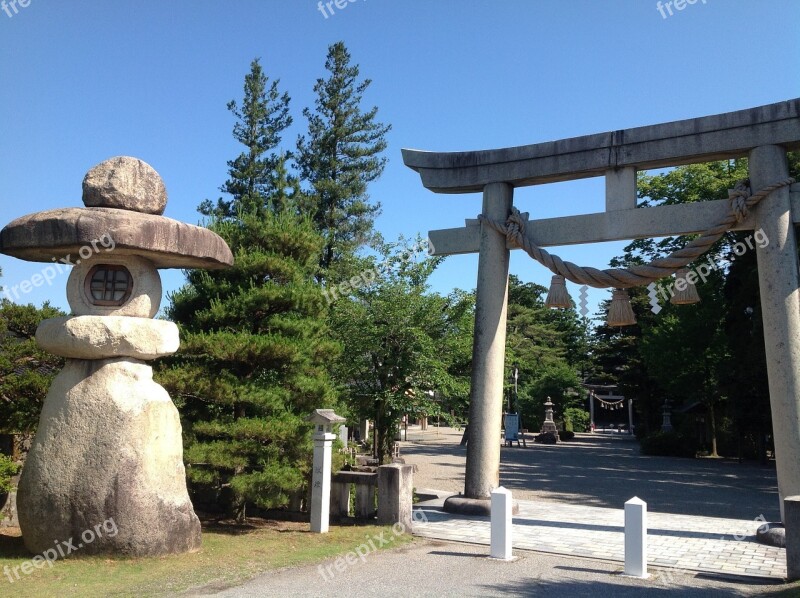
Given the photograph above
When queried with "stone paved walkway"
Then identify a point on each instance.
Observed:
(684, 542)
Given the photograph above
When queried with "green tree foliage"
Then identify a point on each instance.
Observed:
(709, 354)
(8, 469)
(744, 374)
(253, 364)
(618, 361)
(338, 158)
(401, 343)
(550, 348)
(26, 371)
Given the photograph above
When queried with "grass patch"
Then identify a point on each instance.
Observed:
(230, 554)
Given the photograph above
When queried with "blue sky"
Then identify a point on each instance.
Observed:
(83, 81)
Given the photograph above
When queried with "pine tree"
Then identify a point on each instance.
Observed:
(255, 347)
(260, 121)
(338, 158)
(26, 371)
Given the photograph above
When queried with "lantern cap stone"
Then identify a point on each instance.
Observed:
(125, 199)
(126, 183)
(72, 234)
(325, 416)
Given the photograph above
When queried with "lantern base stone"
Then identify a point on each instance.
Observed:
(106, 466)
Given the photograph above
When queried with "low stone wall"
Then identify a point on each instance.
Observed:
(366, 484)
(395, 491)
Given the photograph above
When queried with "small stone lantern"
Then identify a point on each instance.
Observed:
(549, 425)
(108, 448)
(323, 420)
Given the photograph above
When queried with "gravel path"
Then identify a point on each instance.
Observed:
(592, 470)
(604, 471)
(444, 569)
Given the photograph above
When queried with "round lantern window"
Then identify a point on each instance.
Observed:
(108, 285)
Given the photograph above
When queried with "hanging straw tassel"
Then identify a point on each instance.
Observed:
(620, 313)
(558, 296)
(689, 293)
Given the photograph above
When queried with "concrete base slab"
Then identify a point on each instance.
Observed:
(511, 560)
(461, 505)
(426, 494)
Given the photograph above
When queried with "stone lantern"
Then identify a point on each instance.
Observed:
(666, 417)
(323, 420)
(109, 444)
(549, 425)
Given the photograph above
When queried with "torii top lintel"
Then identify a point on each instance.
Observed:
(722, 136)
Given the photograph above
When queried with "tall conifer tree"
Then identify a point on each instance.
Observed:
(253, 361)
(339, 157)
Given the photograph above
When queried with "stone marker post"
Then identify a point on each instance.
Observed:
(500, 543)
(323, 420)
(636, 537)
(321, 482)
(791, 521)
(630, 416)
(395, 494)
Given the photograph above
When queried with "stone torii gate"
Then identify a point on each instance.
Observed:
(763, 134)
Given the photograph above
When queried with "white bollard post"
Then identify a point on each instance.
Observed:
(321, 482)
(636, 537)
(501, 524)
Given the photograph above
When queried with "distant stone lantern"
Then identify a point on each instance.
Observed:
(666, 417)
(549, 425)
(109, 444)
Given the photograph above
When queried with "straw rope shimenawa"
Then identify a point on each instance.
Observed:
(741, 202)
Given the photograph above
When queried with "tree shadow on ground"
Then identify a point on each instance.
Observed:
(607, 472)
(593, 589)
(12, 547)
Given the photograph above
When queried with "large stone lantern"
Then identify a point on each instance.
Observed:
(109, 445)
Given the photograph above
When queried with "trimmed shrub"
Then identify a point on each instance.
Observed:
(668, 444)
(576, 420)
(8, 469)
(566, 435)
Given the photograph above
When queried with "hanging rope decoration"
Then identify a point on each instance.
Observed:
(741, 202)
(611, 405)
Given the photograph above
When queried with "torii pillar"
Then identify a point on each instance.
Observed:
(779, 287)
(488, 350)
